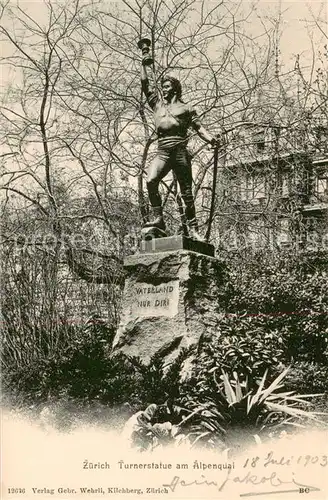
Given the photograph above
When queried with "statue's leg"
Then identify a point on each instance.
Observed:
(158, 169)
(182, 169)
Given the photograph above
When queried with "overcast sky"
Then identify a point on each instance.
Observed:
(297, 21)
(299, 35)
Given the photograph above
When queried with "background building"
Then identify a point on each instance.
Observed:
(273, 188)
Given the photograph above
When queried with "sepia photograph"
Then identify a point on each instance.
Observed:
(164, 249)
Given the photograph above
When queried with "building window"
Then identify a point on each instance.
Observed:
(259, 141)
(322, 188)
(252, 187)
(245, 188)
(283, 233)
(258, 188)
(232, 187)
(321, 138)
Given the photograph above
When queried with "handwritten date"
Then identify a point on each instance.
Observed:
(301, 460)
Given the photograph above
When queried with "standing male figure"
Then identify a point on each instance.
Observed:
(172, 119)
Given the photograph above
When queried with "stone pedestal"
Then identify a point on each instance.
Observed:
(171, 301)
(177, 242)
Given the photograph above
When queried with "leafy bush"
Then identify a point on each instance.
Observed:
(286, 299)
(242, 344)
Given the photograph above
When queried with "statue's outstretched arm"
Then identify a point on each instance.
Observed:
(198, 127)
(205, 135)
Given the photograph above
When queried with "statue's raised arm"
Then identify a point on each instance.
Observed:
(150, 94)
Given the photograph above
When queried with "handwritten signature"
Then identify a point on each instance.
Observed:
(272, 480)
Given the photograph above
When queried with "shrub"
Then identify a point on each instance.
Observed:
(243, 344)
(285, 299)
(84, 372)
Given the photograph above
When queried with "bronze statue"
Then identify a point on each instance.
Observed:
(173, 118)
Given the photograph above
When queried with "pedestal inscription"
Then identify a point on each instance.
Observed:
(171, 301)
(153, 301)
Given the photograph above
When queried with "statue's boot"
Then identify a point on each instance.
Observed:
(190, 214)
(193, 231)
(158, 220)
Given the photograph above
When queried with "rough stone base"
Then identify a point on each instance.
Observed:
(171, 301)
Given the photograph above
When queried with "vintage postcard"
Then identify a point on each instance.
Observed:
(164, 244)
